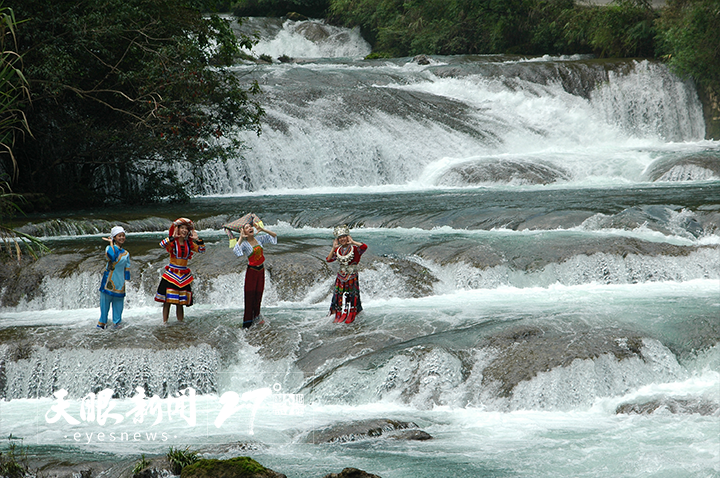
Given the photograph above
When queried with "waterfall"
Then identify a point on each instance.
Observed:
(381, 123)
(303, 39)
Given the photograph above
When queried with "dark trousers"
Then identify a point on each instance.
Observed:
(254, 288)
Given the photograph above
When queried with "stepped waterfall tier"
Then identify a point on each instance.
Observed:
(541, 291)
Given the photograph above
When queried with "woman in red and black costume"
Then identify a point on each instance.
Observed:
(345, 302)
(251, 245)
(174, 288)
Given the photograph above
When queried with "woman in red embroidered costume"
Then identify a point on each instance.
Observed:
(174, 288)
(345, 302)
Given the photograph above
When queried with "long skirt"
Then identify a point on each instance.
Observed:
(346, 298)
(172, 294)
(254, 288)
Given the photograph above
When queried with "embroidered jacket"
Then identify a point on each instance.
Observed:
(255, 254)
(116, 272)
(177, 272)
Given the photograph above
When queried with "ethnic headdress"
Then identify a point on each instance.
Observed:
(182, 221)
(238, 224)
(343, 230)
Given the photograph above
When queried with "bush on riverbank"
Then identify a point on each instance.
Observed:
(280, 8)
(689, 40)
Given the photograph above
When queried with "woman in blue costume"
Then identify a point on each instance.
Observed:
(112, 285)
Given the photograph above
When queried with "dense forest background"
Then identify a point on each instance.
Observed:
(98, 95)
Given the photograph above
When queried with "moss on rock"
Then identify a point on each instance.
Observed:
(238, 467)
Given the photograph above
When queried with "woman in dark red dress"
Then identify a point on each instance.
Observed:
(346, 296)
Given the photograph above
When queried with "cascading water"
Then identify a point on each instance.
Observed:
(457, 123)
(540, 292)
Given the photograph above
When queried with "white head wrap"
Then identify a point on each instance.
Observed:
(116, 230)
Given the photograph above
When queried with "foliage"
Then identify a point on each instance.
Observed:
(625, 28)
(13, 242)
(13, 463)
(12, 124)
(124, 93)
(279, 8)
(13, 88)
(401, 28)
(179, 459)
(690, 40)
(140, 465)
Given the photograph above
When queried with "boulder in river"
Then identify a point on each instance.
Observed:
(351, 473)
(364, 429)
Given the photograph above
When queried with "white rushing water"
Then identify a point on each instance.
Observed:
(329, 136)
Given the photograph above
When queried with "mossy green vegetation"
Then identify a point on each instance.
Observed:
(239, 466)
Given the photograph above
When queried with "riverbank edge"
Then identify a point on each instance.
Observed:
(151, 466)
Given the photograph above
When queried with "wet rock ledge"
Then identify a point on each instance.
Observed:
(367, 429)
(160, 467)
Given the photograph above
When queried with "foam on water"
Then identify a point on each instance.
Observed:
(312, 39)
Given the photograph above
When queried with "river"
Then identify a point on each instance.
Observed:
(541, 290)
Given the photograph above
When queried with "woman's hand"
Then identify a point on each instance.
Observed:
(108, 239)
(194, 235)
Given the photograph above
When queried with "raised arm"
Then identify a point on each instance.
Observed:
(262, 229)
(331, 257)
(199, 243)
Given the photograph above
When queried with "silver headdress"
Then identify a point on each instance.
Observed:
(341, 231)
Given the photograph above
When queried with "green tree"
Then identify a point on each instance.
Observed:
(410, 27)
(690, 40)
(625, 28)
(123, 93)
